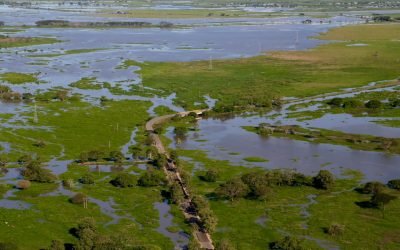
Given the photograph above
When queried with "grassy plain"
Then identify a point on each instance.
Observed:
(7, 42)
(327, 68)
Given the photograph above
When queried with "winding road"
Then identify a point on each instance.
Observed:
(173, 175)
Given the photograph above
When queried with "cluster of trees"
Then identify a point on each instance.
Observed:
(98, 155)
(379, 195)
(34, 171)
(258, 185)
(151, 178)
(202, 208)
(354, 103)
(89, 237)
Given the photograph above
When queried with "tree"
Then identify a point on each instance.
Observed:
(324, 180)
(86, 233)
(136, 151)
(3, 161)
(233, 189)
(208, 219)
(176, 193)
(151, 178)
(373, 104)
(35, 172)
(394, 184)
(258, 185)
(352, 104)
(87, 179)
(211, 175)
(124, 180)
(116, 156)
(380, 200)
(79, 198)
(287, 243)
(337, 102)
(373, 187)
(95, 155)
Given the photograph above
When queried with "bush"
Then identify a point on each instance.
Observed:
(124, 180)
(287, 243)
(69, 183)
(151, 178)
(373, 104)
(324, 180)
(372, 187)
(233, 189)
(394, 184)
(116, 156)
(23, 184)
(211, 175)
(337, 102)
(352, 104)
(34, 172)
(87, 179)
(79, 198)
(335, 229)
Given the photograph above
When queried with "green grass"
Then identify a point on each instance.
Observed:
(87, 83)
(254, 159)
(23, 41)
(18, 78)
(255, 80)
(78, 127)
(390, 123)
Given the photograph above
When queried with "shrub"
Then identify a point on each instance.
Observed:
(124, 180)
(373, 104)
(335, 229)
(337, 102)
(87, 179)
(352, 104)
(151, 178)
(23, 184)
(287, 243)
(116, 156)
(373, 187)
(69, 183)
(394, 184)
(233, 189)
(78, 198)
(324, 180)
(211, 175)
(34, 172)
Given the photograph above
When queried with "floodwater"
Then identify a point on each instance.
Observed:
(180, 239)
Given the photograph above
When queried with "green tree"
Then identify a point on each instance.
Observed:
(381, 199)
(33, 171)
(124, 180)
(233, 189)
(152, 178)
(373, 104)
(394, 184)
(324, 180)
(117, 156)
(87, 179)
(211, 175)
(373, 187)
